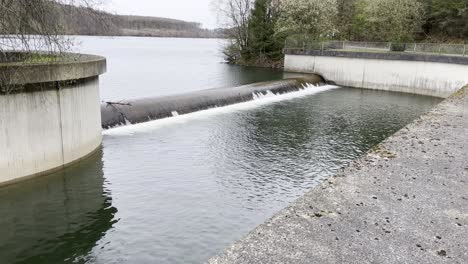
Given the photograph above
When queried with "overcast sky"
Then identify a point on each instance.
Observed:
(189, 10)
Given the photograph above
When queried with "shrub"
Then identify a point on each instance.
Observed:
(398, 47)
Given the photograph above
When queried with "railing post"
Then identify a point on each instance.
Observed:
(323, 46)
(464, 50)
(415, 44)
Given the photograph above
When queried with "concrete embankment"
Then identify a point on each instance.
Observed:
(432, 75)
(147, 109)
(406, 201)
(49, 114)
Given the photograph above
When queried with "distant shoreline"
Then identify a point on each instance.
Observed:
(82, 21)
(145, 36)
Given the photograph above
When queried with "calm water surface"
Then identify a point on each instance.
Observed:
(147, 67)
(181, 190)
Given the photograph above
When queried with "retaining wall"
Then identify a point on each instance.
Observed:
(405, 201)
(49, 115)
(432, 75)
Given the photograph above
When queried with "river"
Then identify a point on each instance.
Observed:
(180, 190)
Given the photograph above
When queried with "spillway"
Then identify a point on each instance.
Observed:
(148, 109)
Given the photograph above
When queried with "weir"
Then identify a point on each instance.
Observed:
(395, 196)
(407, 194)
(148, 109)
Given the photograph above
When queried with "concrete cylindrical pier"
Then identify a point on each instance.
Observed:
(49, 114)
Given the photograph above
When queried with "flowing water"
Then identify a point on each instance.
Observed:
(182, 189)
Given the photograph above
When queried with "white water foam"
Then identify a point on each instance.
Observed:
(259, 100)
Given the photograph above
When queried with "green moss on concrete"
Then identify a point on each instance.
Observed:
(461, 93)
(41, 59)
(382, 152)
(31, 68)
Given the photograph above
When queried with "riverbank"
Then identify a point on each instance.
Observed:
(404, 202)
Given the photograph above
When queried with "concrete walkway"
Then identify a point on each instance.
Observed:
(406, 201)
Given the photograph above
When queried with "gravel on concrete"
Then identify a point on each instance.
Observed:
(406, 201)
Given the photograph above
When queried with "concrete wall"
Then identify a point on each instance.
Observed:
(433, 78)
(45, 130)
(47, 126)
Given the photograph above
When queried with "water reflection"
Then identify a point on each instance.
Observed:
(57, 218)
(188, 189)
(239, 75)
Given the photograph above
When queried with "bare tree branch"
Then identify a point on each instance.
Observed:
(36, 25)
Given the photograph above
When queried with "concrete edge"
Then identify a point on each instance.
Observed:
(381, 56)
(237, 253)
(53, 170)
(70, 67)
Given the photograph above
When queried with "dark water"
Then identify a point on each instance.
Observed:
(147, 67)
(181, 190)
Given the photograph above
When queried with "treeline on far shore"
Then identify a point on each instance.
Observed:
(79, 17)
(87, 21)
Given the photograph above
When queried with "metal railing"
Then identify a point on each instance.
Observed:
(305, 43)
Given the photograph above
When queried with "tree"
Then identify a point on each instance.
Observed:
(234, 15)
(361, 27)
(33, 25)
(346, 19)
(316, 18)
(263, 44)
(392, 20)
(446, 18)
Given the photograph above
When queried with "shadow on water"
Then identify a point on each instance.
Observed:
(56, 218)
(241, 75)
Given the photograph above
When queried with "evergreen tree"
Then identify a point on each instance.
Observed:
(346, 19)
(263, 43)
(447, 18)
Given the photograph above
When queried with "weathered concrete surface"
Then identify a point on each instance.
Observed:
(406, 201)
(69, 66)
(382, 55)
(384, 71)
(49, 114)
(43, 131)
